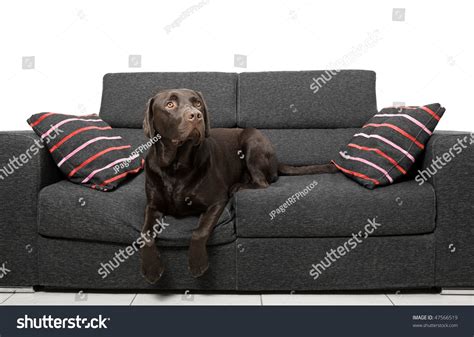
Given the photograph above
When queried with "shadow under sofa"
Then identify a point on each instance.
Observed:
(54, 233)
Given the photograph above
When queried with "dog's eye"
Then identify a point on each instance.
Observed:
(197, 104)
(170, 105)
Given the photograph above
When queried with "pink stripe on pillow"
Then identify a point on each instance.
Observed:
(399, 130)
(84, 145)
(380, 153)
(385, 140)
(410, 118)
(365, 161)
(67, 121)
(107, 166)
(403, 107)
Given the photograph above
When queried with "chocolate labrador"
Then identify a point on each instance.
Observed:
(194, 170)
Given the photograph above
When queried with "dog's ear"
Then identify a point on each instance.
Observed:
(148, 125)
(207, 119)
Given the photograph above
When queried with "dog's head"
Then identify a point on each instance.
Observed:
(178, 115)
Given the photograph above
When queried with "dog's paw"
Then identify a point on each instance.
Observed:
(152, 273)
(197, 270)
(152, 268)
(198, 263)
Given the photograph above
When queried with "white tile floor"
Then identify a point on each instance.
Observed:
(430, 299)
(189, 298)
(307, 299)
(81, 298)
(196, 299)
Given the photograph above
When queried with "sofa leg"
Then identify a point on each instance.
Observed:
(17, 290)
(457, 291)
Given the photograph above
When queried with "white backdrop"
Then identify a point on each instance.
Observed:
(54, 53)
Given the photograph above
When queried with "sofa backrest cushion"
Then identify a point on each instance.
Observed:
(306, 99)
(125, 95)
(313, 146)
(308, 146)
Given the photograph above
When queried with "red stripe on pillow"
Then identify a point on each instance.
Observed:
(61, 142)
(94, 157)
(105, 182)
(356, 174)
(36, 122)
(380, 152)
(396, 128)
(431, 112)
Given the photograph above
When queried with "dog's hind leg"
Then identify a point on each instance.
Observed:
(260, 158)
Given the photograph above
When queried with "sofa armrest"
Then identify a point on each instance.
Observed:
(449, 166)
(25, 167)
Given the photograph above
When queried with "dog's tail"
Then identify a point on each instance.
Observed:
(290, 170)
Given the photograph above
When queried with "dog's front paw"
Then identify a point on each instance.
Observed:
(152, 268)
(198, 268)
(198, 261)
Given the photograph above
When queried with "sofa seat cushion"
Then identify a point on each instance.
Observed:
(67, 210)
(333, 205)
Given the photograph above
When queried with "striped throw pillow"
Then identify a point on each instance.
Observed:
(86, 150)
(388, 145)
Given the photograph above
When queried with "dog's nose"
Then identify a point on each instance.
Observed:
(193, 116)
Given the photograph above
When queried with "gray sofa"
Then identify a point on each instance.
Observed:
(57, 234)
